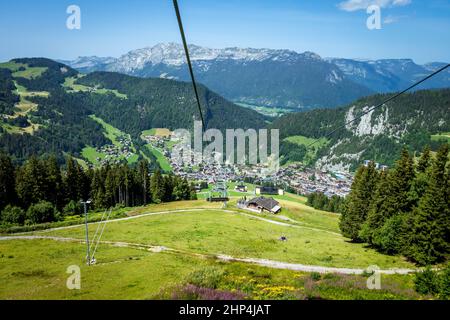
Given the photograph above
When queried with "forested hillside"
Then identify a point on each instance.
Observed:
(46, 108)
(155, 103)
(414, 120)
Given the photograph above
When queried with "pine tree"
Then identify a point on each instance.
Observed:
(157, 187)
(377, 211)
(72, 181)
(31, 182)
(144, 180)
(392, 204)
(355, 210)
(430, 236)
(424, 160)
(98, 190)
(7, 181)
(54, 189)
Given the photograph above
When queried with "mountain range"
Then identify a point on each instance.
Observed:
(273, 78)
(47, 107)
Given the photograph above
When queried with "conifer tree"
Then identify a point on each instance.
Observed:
(31, 182)
(7, 181)
(424, 160)
(356, 207)
(72, 180)
(144, 180)
(430, 232)
(157, 187)
(54, 189)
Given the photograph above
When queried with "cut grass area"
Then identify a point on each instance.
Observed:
(113, 134)
(157, 132)
(305, 141)
(23, 108)
(441, 136)
(220, 232)
(71, 86)
(91, 154)
(37, 270)
(267, 111)
(162, 160)
(28, 73)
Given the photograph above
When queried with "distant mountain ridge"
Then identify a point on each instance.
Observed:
(271, 77)
(254, 76)
(390, 75)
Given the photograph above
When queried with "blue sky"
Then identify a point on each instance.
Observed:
(416, 29)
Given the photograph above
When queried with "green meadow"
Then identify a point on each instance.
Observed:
(192, 234)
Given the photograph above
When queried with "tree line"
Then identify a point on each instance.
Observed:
(42, 191)
(319, 201)
(405, 210)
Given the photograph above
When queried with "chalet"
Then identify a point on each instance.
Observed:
(260, 204)
(269, 191)
(240, 188)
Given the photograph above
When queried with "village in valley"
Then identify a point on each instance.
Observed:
(295, 177)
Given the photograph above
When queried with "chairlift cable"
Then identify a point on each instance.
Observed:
(96, 231)
(103, 229)
(188, 58)
(381, 104)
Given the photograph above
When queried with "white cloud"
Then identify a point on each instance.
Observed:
(393, 19)
(355, 5)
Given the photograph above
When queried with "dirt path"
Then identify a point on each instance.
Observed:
(260, 262)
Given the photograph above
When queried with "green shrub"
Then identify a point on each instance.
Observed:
(445, 283)
(13, 215)
(41, 212)
(389, 237)
(315, 276)
(427, 282)
(72, 208)
(208, 277)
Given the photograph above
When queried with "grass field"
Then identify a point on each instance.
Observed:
(23, 108)
(158, 132)
(91, 154)
(36, 269)
(71, 86)
(162, 160)
(28, 73)
(441, 136)
(267, 111)
(113, 134)
(219, 232)
(301, 140)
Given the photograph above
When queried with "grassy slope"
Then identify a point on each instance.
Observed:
(218, 232)
(24, 106)
(162, 160)
(112, 133)
(301, 140)
(441, 136)
(71, 86)
(28, 73)
(36, 269)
